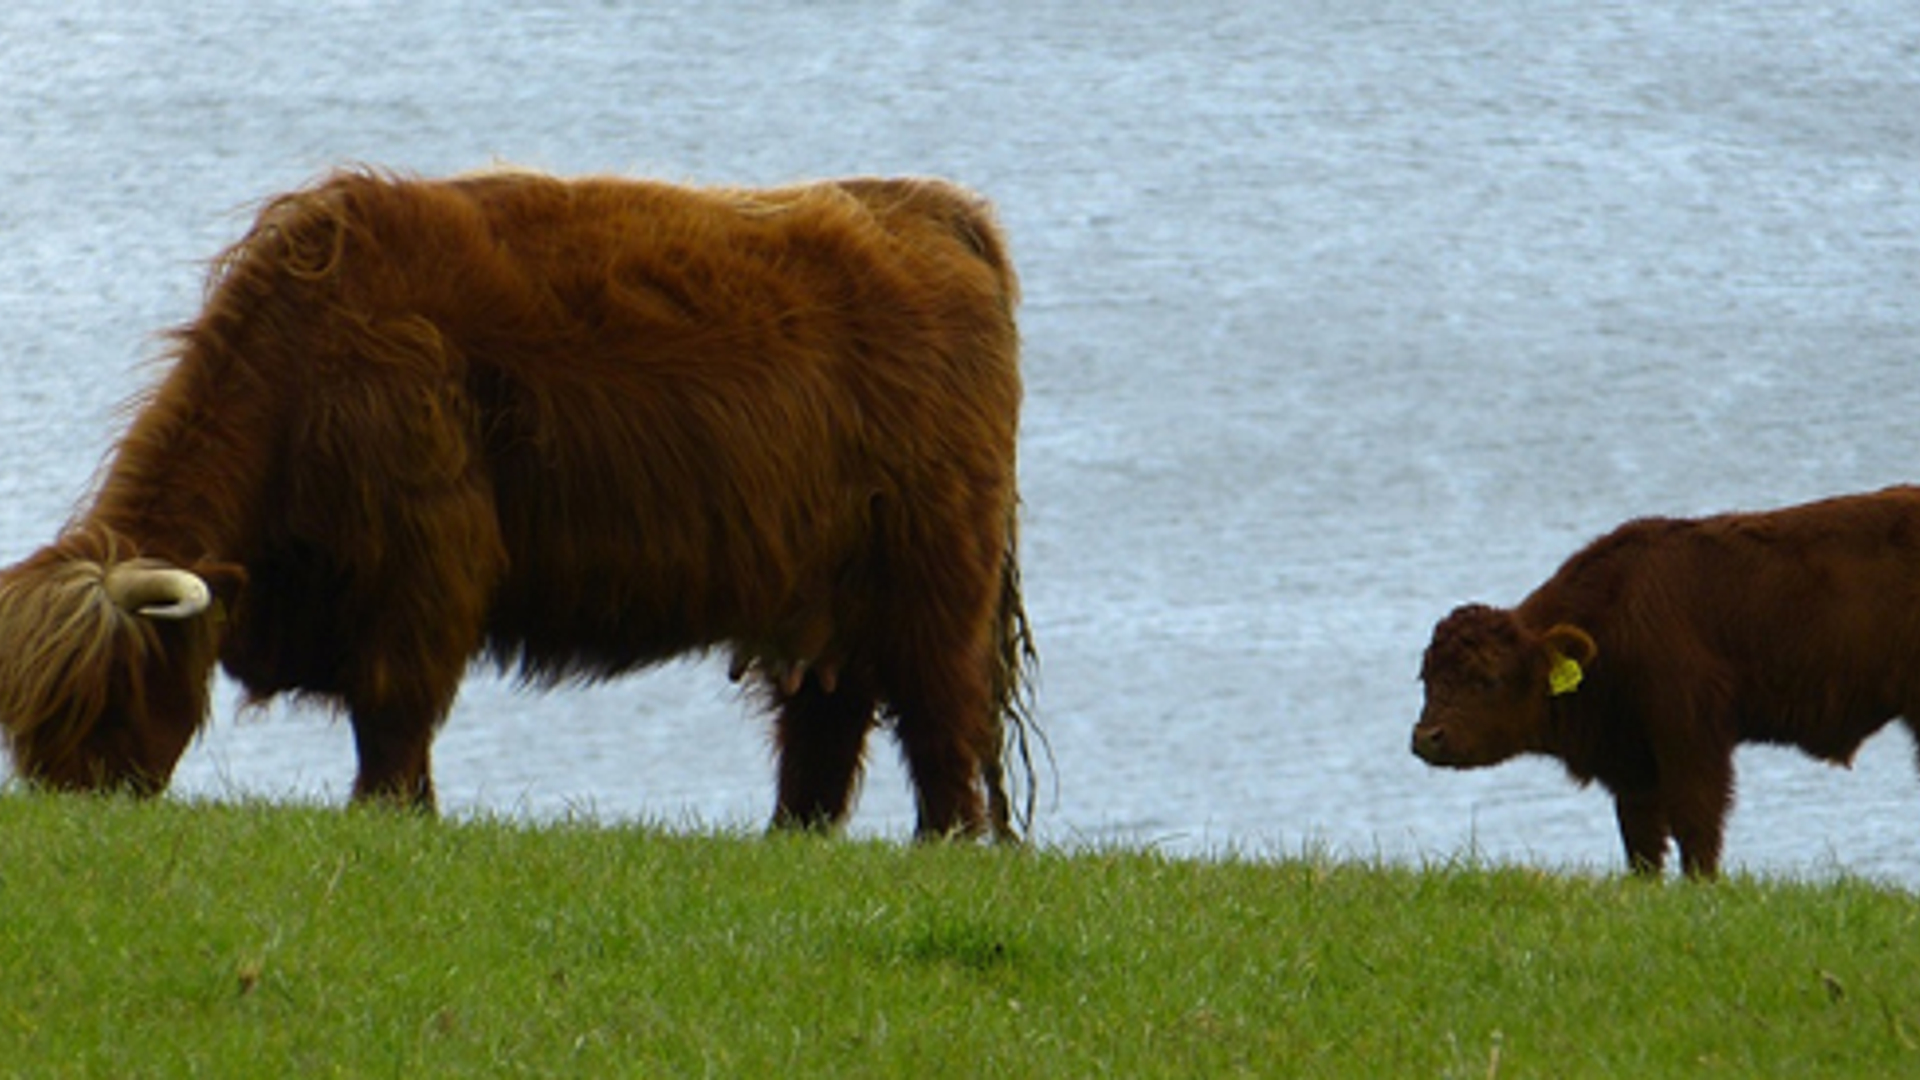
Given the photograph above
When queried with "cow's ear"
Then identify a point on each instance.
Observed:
(1570, 641)
(224, 580)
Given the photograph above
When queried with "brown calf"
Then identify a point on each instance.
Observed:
(1656, 650)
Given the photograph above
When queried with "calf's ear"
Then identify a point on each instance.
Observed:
(1567, 640)
(1569, 650)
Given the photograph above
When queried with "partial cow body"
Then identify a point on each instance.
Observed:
(1652, 653)
(578, 427)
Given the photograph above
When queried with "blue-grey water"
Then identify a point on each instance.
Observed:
(1337, 315)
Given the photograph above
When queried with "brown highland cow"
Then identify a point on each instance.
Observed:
(577, 427)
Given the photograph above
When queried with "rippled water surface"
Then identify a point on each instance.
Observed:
(1337, 315)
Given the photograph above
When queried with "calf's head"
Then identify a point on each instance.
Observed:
(104, 663)
(1489, 685)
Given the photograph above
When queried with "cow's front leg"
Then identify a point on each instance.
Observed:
(1643, 830)
(395, 766)
(1697, 808)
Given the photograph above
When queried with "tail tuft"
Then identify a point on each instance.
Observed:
(1016, 666)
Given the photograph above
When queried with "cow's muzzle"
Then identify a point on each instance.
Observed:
(1430, 745)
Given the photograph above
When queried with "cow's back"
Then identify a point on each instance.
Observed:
(716, 394)
(650, 418)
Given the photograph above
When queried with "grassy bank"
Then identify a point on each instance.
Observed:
(170, 939)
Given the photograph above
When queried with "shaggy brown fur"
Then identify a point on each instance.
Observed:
(1652, 653)
(578, 427)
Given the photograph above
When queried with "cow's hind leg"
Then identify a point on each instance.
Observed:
(821, 738)
(939, 590)
(941, 700)
(938, 683)
(935, 726)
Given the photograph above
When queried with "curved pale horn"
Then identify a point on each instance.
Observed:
(157, 591)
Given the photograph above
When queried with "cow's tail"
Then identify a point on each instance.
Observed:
(1016, 660)
(1015, 664)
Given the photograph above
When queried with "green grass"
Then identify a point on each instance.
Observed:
(176, 939)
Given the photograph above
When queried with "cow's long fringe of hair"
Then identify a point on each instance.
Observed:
(72, 653)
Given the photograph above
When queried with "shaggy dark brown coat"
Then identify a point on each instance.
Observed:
(578, 427)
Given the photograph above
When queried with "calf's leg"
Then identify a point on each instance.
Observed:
(1643, 829)
(1697, 805)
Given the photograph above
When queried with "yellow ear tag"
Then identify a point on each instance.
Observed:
(1564, 676)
